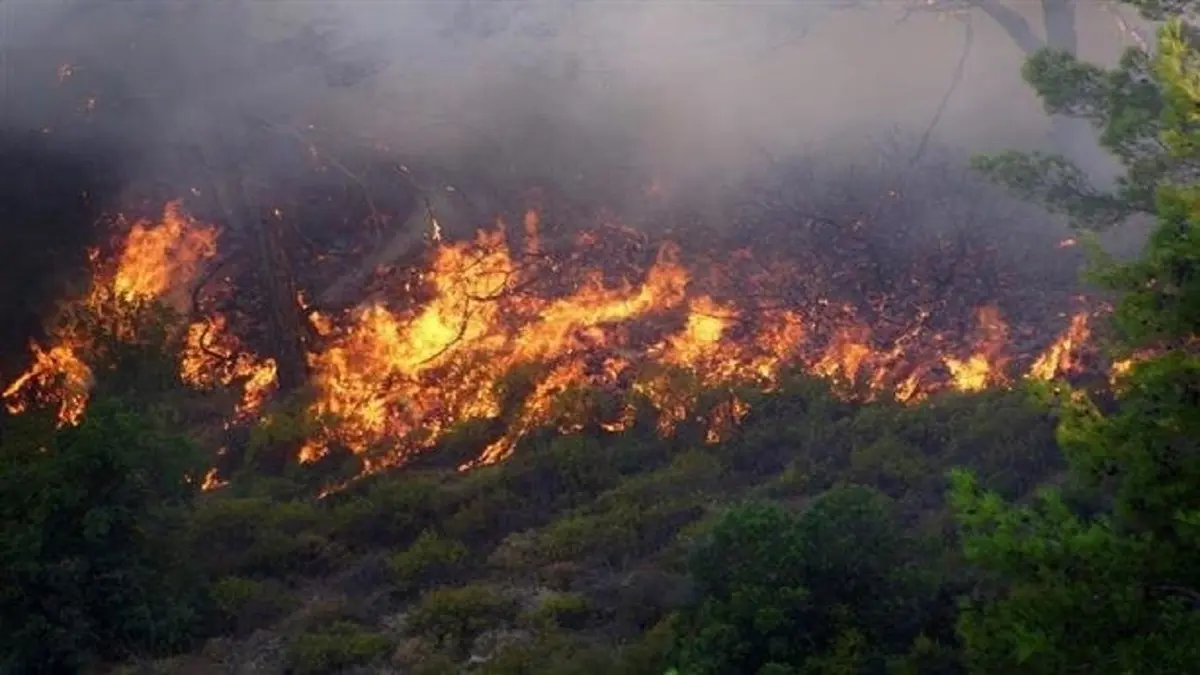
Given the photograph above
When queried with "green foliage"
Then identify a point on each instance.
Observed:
(1007, 436)
(1148, 450)
(242, 605)
(275, 440)
(452, 617)
(259, 537)
(555, 654)
(652, 653)
(1074, 594)
(335, 647)
(1128, 105)
(561, 610)
(387, 513)
(1114, 592)
(562, 472)
(833, 588)
(91, 562)
(430, 559)
(612, 536)
(1161, 292)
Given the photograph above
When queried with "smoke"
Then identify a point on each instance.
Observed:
(791, 125)
(563, 90)
(145, 101)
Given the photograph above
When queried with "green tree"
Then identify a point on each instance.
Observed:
(1127, 107)
(1119, 592)
(91, 561)
(831, 589)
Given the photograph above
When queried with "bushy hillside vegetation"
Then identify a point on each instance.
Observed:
(1037, 529)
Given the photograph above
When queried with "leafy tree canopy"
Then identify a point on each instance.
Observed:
(91, 520)
(1120, 592)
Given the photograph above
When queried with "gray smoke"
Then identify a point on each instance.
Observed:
(595, 99)
(598, 95)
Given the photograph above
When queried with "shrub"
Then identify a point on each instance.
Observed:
(554, 654)
(827, 589)
(242, 605)
(92, 561)
(612, 537)
(390, 511)
(452, 617)
(430, 559)
(336, 647)
(561, 472)
(257, 537)
(561, 610)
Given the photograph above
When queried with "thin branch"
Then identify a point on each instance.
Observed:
(956, 79)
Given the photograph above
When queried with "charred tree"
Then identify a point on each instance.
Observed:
(285, 327)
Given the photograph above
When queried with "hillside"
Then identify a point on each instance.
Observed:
(571, 556)
(872, 424)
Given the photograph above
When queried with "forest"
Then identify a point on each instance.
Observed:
(541, 467)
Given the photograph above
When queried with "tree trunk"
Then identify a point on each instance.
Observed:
(1058, 21)
(287, 329)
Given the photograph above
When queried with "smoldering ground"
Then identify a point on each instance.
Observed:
(594, 99)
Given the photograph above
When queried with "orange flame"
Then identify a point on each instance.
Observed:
(1061, 357)
(395, 382)
(156, 261)
(985, 366)
(487, 342)
(213, 357)
(160, 260)
(56, 376)
(389, 375)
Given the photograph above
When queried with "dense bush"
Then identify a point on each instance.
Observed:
(333, 648)
(430, 559)
(241, 606)
(453, 616)
(261, 537)
(92, 564)
(781, 592)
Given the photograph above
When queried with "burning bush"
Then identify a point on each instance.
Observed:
(884, 289)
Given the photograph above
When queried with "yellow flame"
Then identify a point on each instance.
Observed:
(155, 261)
(1060, 358)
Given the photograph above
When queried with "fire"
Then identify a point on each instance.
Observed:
(393, 382)
(510, 335)
(985, 366)
(213, 357)
(56, 370)
(845, 355)
(156, 261)
(160, 260)
(1061, 357)
(212, 481)
(391, 375)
